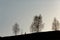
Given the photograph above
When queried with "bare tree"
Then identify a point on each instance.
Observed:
(37, 24)
(16, 29)
(55, 24)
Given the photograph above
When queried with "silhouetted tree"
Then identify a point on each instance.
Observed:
(37, 24)
(55, 24)
(25, 32)
(16, 28)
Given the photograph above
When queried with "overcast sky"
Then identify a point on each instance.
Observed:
(23, 12)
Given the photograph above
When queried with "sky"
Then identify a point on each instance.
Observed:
(23, 12)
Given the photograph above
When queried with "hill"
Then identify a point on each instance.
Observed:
(40, 35)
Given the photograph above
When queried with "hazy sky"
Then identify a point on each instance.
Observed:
(23, 12)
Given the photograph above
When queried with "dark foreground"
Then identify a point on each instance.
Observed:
(52, 35)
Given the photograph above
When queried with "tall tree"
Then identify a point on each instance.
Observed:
(41, 25)
(55, 24)
(16, 29)
(37, 24)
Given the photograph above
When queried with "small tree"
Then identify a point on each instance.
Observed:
(55, 24)
(25, 32)
(37, 24)
(15, 28)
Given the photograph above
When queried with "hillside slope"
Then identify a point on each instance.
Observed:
(40, 35)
